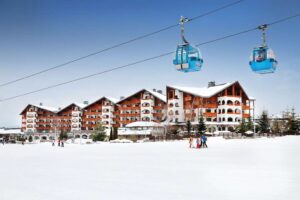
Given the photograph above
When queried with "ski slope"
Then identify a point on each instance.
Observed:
(250, 169)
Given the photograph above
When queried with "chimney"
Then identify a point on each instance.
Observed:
(59, 108)
(41, 104)
(159, 91)
(154, 90)
(122, 97)
(85, 102)
(211, 83)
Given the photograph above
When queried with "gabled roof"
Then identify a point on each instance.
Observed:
(205, 92)
(80, 105)
(48, 108)
(155, 94)
(113, 100)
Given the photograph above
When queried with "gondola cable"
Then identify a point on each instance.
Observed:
(141, 61)
(117, 45)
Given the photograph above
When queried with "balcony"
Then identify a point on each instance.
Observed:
(158, 114)
(246, 115)
(246, 107)
(158, 107)
(126, 121)
(129, 108)
(92, 113)
(129, 115)
(211, 105)
(210, 114)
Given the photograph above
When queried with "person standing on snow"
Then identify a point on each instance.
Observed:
(198, 141)
(191, 141)
(204, 139)
(53, 142)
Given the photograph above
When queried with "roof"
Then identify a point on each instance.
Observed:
(10, 131)
(156, 94)
(113, 100)
(143, 124)
(48, 108)
(205, 92)
(80, 105)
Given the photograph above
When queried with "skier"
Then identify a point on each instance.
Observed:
(198, 141)
(62, 143)
(53, 142)
(204, 139)
(191, 141)
(58, 142)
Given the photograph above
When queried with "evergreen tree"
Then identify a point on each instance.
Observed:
(276, 127)
(63, 135)
(263, 123)
(243, 127)
(30, 138)
(292, 125)
(249, 125)
(115, 133)
(111, 136)
(99, 134)
(188, 126)
(201, 125)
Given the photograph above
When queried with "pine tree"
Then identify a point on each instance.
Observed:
(63, 135)
(201, 125)
(115, 132)
(188, 126)
(111, 136)
(30, 138)
(242, 128)
(99, 134)
(263, 123)
(249, 125)
(292, 125)
(276, 127)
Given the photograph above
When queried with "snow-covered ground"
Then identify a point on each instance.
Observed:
(265, 168)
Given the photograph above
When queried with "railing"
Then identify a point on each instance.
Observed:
(157, 114)
(211, 105)
(210, 114)
(246, 107)
(246, 115)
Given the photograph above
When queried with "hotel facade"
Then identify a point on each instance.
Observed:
(223, 107)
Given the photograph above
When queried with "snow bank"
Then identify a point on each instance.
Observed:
(256, 169)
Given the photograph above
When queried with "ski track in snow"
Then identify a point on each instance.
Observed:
(254, 169)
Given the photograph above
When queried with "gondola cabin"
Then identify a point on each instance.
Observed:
(263, 60)
(187, 58)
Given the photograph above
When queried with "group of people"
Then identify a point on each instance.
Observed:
(200, 142)
(60, 143)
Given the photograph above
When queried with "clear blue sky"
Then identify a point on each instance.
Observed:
(39, 34)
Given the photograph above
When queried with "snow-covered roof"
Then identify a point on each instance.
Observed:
(52, 109)
(143, 124)
(10, 131)
(203, 91)
(113, 100)
(80, 105)
(156, 94)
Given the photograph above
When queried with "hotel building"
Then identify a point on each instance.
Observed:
(223, 107)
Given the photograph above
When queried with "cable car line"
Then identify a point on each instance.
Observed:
(117, 45)
(141, 61)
